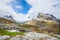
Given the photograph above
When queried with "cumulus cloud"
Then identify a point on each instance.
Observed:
(44, 6)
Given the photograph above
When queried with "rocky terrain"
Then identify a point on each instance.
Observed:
(46, 23)
(29, 36)
(43, 27)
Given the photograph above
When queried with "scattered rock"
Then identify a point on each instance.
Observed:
(4, 37)
(34, 36)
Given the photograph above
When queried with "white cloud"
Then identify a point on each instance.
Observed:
(44, 6)
(6, 9)
(19, 7)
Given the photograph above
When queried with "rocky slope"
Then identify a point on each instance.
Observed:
(34, 36)
(46, 23)
(29, 36)
(11, 25)
(40, 28)
(46, 16)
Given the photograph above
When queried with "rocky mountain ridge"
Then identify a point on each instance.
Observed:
(46, 22)
(40, 28)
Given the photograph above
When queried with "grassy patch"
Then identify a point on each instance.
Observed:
(4, 32)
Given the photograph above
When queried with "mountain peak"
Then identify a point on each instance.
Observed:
(46, 16)
(9, 17)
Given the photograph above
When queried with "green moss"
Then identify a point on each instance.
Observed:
(4, 32)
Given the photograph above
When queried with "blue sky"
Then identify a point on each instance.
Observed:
(22, 9)
(25, 6)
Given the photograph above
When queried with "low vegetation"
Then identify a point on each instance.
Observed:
(4, 32)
